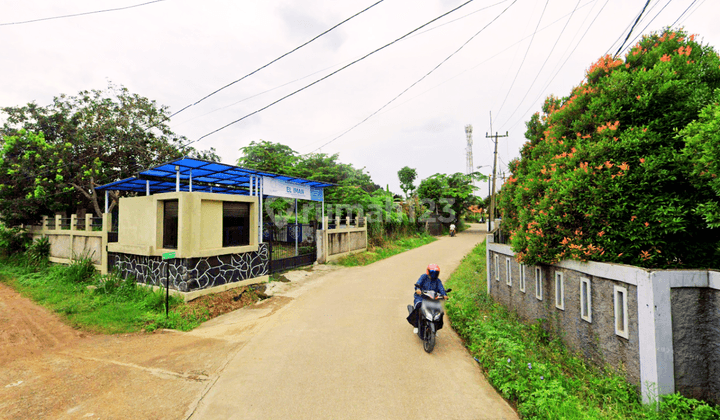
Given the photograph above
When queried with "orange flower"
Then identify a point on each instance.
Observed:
(647, 224)
(665, 58)
(638, 97)
(601, 233)
(632, 219)
(642, 160)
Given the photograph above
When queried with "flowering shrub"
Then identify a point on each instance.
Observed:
(606, 175)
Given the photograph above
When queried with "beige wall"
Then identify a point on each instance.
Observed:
(140, 226)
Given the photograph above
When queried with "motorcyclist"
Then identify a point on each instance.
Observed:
(428, 281)
(452, 228)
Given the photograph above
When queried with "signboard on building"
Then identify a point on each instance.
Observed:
(279, 188)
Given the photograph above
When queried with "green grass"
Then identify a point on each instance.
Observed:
(535, 371)
(111, 305)
(390, 248)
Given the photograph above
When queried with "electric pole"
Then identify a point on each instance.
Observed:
(492, 196)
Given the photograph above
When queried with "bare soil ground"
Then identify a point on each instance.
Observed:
(52, 371)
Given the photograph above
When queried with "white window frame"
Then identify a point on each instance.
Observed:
(559, 290)
(497, 267)
(538, 283)
(508, 271)
(620, 302)
(586, 299)
(522, 278)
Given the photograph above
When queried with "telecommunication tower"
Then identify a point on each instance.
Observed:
(469, 158)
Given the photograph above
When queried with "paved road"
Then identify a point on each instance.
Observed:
(339, 347)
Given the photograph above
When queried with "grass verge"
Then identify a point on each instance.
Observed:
(107, 304)
(390, 248)
(535, 371)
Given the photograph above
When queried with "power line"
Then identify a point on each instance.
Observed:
(336, 64)
(554, 72)
(524, 57)
(633, 27)
(328, 75)
(547, 58)
(81, 14)
(646, 26)
(466, 70)
(277, 59)
(422, 78)
(683, 13)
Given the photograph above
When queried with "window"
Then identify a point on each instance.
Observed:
(522, 278)
(236, 224)
(585, 300)
(559, 291)
(621, 311)
(508, 273)
(497, 267)
(170, 224)
(538, 284)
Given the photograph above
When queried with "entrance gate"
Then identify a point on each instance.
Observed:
(284, 254)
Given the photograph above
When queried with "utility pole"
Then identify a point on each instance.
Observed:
(492, 197)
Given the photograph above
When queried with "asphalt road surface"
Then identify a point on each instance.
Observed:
(339, 347)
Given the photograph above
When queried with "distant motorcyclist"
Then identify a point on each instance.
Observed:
(428, 281)
(452, 229)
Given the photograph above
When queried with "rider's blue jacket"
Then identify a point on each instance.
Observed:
(426, 283)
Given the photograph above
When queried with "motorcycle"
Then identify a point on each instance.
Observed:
(452, 232)
(431, 318)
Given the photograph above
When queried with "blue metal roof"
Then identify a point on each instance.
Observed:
(206, 177)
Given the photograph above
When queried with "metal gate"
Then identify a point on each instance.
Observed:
(285, 254)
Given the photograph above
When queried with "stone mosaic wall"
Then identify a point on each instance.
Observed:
(188, 274)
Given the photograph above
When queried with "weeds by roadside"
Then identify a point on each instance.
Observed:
(104, 304)
(388, 249)
(536, 372)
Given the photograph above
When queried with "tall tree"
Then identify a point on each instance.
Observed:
(93, 138)
(269, 157)
(407, 176)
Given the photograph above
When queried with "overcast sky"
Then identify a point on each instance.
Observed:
(177, 51)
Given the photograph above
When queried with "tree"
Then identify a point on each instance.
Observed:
(604, 175)
(23, 194)
(269, 157)
(91, 139)
(453, 192)
(407, 176)
(702, 149)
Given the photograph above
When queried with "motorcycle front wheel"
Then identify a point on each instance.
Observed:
(429, 341)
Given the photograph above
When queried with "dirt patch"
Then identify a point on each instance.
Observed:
(50, 370)
(28, 329)
(221, 303)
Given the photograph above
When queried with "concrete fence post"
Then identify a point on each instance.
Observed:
(73, 222)
(88, 222)
(44, 222)
(58, 222)
(106, 224)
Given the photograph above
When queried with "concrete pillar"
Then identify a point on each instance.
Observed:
(58, 222)
(73, 222)
(88, 222)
